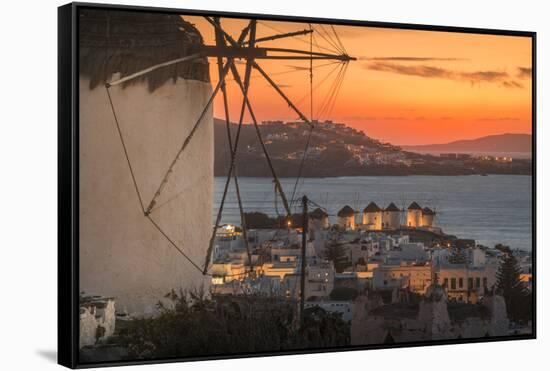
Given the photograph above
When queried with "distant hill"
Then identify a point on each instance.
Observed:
(505, 143)
(328, 154)
(336, 149)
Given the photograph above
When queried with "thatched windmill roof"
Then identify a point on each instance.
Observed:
(318, 213)
(346, 211)
(414, 206)
(392, 207)
(125, 42)
(427, 211)
(372, 208)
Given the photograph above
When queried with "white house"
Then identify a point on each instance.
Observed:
(465, 282)
(320, 280)
(415, 277)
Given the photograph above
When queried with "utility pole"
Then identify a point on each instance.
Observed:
(303, 270)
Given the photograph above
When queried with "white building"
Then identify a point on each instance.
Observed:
(257, 237)
(466, 283)
(319, 280)
(228, 238)
(416, 278)
(412, 252)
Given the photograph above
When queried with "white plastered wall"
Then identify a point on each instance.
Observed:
(121, 253)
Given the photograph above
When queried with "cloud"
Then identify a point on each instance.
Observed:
(490, 76)
(422, 71)
(524, 73)
(411, 59)
(512, 84)
(498, 119)
(503, 78)
(385, 118)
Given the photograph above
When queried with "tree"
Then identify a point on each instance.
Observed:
(343, 294)
(259, 220)
(336, 253)
(516, 295)
(194, 324)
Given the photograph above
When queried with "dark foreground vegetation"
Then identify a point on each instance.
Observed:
(194, 325)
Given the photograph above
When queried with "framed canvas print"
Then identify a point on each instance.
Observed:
(236, 185)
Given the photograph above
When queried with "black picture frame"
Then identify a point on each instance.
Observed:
(68, 178)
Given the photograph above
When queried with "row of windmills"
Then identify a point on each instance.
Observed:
(375, 218)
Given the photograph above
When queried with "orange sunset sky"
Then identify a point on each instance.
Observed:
(407, 86)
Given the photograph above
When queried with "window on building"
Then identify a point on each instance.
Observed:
(484, 281)
(470, 283)
(453, 283)
(478, 282)
(460, 282)
(445, 282)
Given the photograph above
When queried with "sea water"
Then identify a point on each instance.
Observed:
(490, 209)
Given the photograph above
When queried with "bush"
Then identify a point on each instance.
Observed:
(343, 294)
(195, 325)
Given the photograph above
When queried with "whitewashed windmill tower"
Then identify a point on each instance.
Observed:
(391, 217)
(372, 217)
(414, 215)
(146, 134)
(122, 254)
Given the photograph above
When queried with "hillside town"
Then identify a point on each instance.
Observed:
(392, 274)
(340, 150)
(386, 274)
